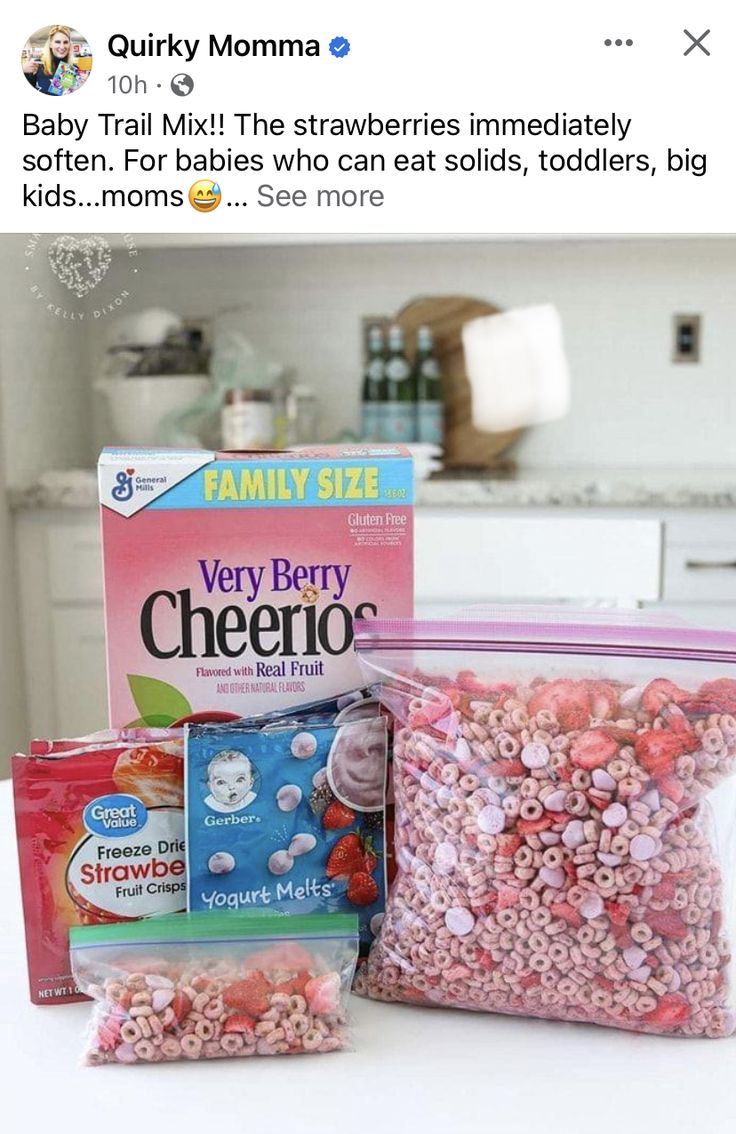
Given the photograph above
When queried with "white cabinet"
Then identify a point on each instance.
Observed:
(472, 556)
(79, 675)
(464, 556)
(60, 581)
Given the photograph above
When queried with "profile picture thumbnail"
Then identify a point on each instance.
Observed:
(56, 60)
(232, 781)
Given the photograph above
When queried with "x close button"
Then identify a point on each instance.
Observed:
(697, 41)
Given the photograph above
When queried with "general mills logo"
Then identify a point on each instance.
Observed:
(124, 488)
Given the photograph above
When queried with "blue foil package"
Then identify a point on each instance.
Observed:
(289, 814)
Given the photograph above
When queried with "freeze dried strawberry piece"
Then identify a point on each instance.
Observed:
(620, 735)
(568, 913)
(673, 788)
(664, 891)
(249, 995)
(239, 1024)
(507, 845)
(300, 981)
(673, 1009)
(181, 1005)
(323, 994)
(657, 750)
(678, 723)
(469, 683)
(593, 749)
(531, 980)
(659, 693)
(619, 915)
(507, 896)
(721, 693)
(603, 699)
(533, 826)
(621, 936)
(667, 923)
(508, 769)
(484, 961)
(567, 700)
(436, 710)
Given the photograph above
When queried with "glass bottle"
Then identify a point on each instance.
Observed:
(372, 394)
(399, 393)
(428, 381)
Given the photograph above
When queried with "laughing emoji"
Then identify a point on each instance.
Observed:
(205, 196)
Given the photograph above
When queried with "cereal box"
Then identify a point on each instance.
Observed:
(232, 579)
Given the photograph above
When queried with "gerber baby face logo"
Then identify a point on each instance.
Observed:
(123, 489)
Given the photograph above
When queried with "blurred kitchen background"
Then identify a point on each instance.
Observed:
(620, 489)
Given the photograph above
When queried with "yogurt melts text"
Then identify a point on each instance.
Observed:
(283, 576)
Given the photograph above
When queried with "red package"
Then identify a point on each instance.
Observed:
(100, 826)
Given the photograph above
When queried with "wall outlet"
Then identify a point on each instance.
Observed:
(686, 338)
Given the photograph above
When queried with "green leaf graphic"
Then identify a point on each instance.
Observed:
(157, 701)
(154, 720)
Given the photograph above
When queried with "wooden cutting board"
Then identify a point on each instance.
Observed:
(465, 446)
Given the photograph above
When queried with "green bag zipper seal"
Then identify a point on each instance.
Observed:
(204, 926)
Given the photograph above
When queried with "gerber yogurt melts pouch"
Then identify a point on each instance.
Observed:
(289, 815)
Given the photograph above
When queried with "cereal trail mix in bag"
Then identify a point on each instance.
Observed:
(214, 986)
(100, 825)
(289, 815)
(563, 815)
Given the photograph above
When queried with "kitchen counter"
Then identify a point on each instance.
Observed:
(426, 1069)
(521, 488)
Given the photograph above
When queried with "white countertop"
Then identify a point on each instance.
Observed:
(413, 1069)
(525, 487)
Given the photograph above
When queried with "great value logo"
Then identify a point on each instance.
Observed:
(113, 816)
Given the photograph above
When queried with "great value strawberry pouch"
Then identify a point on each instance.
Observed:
(289, 815)
(565, 802)
(100, 826)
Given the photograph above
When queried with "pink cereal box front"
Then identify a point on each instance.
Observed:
(232, 579)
